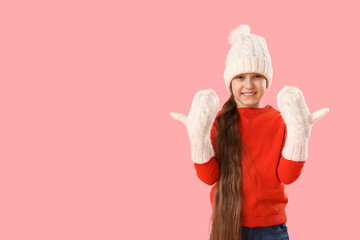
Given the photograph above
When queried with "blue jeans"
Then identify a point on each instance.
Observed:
(274, 232)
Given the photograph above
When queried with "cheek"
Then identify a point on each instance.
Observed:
(262, 86)
(235, 85)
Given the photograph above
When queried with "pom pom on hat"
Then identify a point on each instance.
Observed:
(235, 34)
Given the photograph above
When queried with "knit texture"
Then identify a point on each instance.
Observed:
(264, 170)
(298, 120)
(248, 53)
(296, 115)
(201, 117)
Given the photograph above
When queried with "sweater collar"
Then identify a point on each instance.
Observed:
(254, 110)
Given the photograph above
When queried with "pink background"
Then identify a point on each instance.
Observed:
(88, 149)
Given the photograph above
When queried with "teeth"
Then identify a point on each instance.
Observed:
(248, 93)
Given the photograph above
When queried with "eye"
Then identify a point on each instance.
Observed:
(258, 76)
(240, 77)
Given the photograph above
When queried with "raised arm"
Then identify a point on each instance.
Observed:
(298, 123)
(209, 171)
(199, 122)
(288, 171)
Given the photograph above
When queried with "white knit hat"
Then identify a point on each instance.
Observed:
(248, 54)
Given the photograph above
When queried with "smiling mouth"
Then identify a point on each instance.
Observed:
(249, 94)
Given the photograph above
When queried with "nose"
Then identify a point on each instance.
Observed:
(248, 83)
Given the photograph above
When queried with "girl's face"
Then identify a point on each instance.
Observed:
(248, 83)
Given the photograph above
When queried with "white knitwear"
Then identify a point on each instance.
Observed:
(298, 121)
(248, 54)
(203, 111)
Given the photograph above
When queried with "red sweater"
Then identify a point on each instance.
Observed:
(264, 170)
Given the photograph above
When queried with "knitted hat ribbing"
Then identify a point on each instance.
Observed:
(248, 54)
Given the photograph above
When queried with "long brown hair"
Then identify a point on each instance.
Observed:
(227, 203)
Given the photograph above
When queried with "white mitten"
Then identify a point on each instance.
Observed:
(203, 111)
(298, 122)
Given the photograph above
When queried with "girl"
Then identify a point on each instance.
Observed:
(248, 151)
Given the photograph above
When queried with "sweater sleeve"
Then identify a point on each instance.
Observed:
(288, 171)
(209, 172)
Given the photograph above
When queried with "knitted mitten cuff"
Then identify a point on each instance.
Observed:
(296, 147)
(201, 151)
